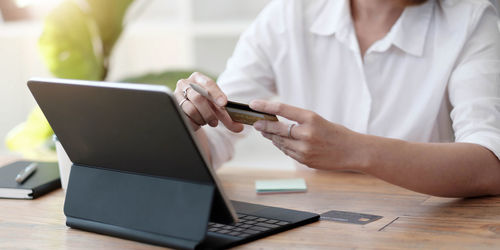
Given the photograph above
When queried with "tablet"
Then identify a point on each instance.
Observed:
(135, 128)
(139, 173)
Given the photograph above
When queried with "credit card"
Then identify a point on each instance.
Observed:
(349, 217)
(242, 113)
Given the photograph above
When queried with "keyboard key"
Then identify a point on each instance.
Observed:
(259, 228)
(234, 233)
(246, 226)
(262, 224)
(282, 223)
(249, 231)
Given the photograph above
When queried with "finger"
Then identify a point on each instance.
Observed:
(211, 87)
(293, 154)
(282, 142)
(193, 124)
(279, 128)
(286, 147)
(190, 110)
(193, 113)
(296, 156)
(203, 107)
(277, 108)
(178, 92)
(272, 127)
(224, 117)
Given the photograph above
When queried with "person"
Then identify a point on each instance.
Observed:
(405, 90)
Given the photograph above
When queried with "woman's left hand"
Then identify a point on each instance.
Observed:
(313, 141)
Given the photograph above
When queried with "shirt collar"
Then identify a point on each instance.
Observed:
(408, 33)
(336, 16)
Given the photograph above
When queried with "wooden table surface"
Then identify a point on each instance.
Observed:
(410, 220)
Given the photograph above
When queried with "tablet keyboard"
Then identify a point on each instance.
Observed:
(246, 226)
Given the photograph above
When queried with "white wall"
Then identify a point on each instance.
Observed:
(19, 61)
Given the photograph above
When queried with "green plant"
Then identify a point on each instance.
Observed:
(76, 43)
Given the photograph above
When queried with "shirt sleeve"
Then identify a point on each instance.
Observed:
(248, 75)
(474, 86)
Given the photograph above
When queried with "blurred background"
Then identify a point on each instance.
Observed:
(157, 35)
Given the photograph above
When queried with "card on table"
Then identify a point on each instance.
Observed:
(349, 217)
(280, 186)
(242, 113)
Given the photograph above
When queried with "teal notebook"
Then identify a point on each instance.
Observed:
(280, 186)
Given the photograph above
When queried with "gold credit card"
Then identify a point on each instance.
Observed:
(242, 113)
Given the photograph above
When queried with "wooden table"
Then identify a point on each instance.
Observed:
(410, 220)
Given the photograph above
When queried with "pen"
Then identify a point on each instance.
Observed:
(26, 173)
(202, 92)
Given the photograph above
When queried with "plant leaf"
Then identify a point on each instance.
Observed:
(31, 134)
(68, 44)
(109, 15)
(168, 78)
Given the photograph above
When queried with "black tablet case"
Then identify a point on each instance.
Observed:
(130, 178)
(138, 207)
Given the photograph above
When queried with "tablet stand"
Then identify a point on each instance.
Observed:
(150, 209)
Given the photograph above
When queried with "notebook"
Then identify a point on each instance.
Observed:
(42, 181)
(280, 186)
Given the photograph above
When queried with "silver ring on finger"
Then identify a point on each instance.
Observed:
(290, 130)
(185, 92)
(182, 102)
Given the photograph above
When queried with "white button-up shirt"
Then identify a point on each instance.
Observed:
(435, 77)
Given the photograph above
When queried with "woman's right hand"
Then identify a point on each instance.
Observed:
(199, 109)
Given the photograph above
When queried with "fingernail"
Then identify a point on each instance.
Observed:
(258, 125)
(220, 101)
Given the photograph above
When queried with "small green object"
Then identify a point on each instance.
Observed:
(280, 186)
(109, 16)
(32, 138)
(70, 45)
